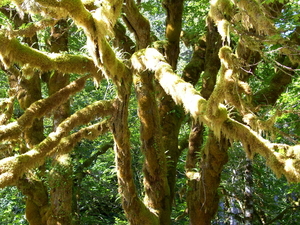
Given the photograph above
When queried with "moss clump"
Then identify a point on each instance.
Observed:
(253, 15)
(221, 11)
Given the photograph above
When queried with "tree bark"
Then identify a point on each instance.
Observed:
(61, 174)
(249, 186)
(171, 115)
(157, 192)
(203, 197)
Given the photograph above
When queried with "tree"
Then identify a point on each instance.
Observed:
(226, 65)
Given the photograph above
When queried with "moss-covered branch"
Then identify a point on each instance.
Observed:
(91, 132)
(39, 109)
(181, 91)
(12, 168)
(282, 159)
(15, 52)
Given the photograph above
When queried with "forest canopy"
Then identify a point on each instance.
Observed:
(179, 90)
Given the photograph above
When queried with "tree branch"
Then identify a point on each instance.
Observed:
(282, 159)
(11, 168)
(40, 108)
(15, 52)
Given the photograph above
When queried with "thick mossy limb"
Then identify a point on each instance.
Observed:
(181, 91)
(184, 93)
(15, 52)
(216, 112)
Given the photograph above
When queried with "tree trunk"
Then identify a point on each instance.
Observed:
(203, 197)
(29, 91)
(170, 114)
(248, 193)
(157, 192)
(61, 173)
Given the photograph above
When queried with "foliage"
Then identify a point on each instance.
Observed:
(12, 207)
(272, 196)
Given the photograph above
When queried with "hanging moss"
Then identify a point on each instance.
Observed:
(254, 16)
(214, 115)
(221, 11)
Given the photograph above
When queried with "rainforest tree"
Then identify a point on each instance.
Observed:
(224, 91)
